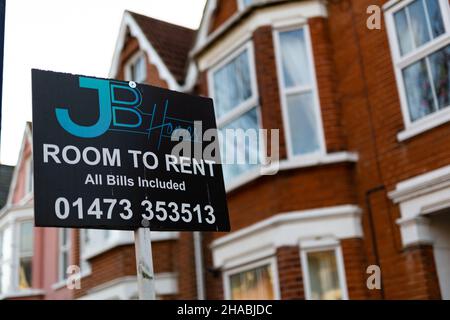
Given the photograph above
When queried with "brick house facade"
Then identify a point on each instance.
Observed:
(364, 166)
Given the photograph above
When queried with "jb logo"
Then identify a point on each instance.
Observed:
(110, 107)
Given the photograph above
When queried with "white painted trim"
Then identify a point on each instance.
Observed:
(117, 289)
(28, 177)
(313, 88)
(121, 238)
(260, 16)
(131, 61)
(16, 251)
(125, 288)
(64, 250)
(421, 185)
(251, 102)
(425, 124)
(22, 294)
(27, 137)
(418, 197)
(415, 231)
(241, 5)
(339, 263)
(389, 4)
(399, 63)
(272, 262)
(152, 55)
(286, 229)
(311, 160)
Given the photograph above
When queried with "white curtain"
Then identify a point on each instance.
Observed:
(294, 58)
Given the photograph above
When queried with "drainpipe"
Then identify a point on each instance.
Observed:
(198, 255)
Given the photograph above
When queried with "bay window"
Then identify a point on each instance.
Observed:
(64, 253)
(253, 282)
(136, 68)
(233, 86)
(299, 100)
(25, 254)
(85, 239)
(323, 273)
(419, 34)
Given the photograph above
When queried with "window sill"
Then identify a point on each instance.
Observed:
(59, 285)
(290, 164)
(121, 239)
(21, 293)
(429, 122)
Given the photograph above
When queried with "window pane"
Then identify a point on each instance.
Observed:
(294, 58)
(25, 273)
(26, 238)
(138, 69)
(255, 284)
(64, 237)
(419, 24)
(232, 84)
(418, 90)
(247, 121)
(85, 236)
(403, 32)
(65, 263)
(323, 276)
(434, 13)
(303, 123)
(440, 67)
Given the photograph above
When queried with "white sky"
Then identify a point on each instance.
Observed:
(76, 36)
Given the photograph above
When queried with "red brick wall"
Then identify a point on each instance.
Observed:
(360, 112)
(371, 115)
(185, 265)
(301, 189)
(326, 80)
(213, 278)
(116, 263)
(355, 264)
(290, 273)
(121, 261)
(224, 10)
(267, 80)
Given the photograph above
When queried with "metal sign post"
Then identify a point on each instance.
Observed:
(144, 264)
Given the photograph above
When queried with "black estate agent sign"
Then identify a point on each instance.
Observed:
(103, 157)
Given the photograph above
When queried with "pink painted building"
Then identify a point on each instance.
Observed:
(27, 271)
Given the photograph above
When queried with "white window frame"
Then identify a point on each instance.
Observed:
(251, 102)
(339, 263)
(272, 262)
(438, 117)
(313, 88)
(83, 249)
(18, 254)
(245, 106)
(28, 177)
(62, 250)
(131, 61)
